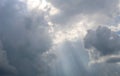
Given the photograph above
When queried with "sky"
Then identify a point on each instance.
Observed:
(59, 38)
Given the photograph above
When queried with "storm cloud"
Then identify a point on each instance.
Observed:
(27, 38)
(24, 36)
(103, 40)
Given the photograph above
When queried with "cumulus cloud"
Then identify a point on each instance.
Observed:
(103, 46)
(103, 40)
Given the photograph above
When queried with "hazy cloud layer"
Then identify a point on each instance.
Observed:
(5, 67)
(71, 59)
(99, 9)
(104, 69)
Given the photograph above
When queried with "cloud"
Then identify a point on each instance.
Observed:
(114, 59)
(5, 67)
(103, 40)
(72, 60)
(105, 69)
(103, 46)
(69, 9)
(24, 38)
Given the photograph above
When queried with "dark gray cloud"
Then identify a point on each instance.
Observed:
(106, 42)
(103, 40)
(5, 67)
(24, 37)
(69, 8)
(113, 60)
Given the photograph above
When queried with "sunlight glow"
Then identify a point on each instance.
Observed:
(39, 4)
(53, 10)
(74, 32)
(42, 5)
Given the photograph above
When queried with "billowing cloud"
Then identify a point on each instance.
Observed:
(103, 46)
(24, 36)
(103, 40)
(28, 47)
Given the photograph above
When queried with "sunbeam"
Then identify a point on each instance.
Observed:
(59, 37)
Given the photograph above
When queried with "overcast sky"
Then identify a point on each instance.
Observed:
(59, 38)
